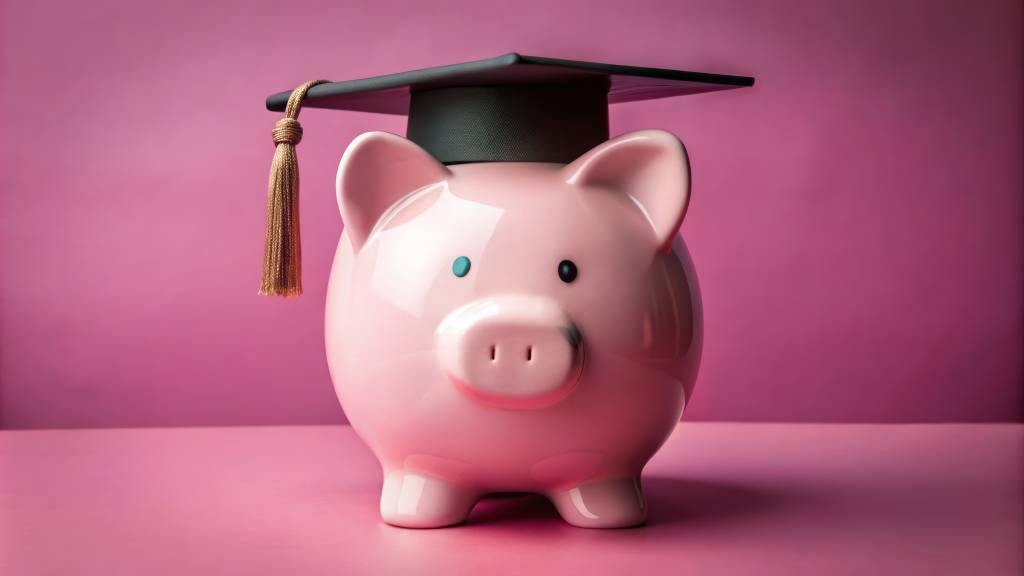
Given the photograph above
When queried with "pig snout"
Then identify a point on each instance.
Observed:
(516, 352)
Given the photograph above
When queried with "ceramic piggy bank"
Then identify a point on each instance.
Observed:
(513, 326)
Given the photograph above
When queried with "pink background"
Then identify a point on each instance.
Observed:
(856, 220)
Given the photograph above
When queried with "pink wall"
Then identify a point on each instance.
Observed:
(856, 219)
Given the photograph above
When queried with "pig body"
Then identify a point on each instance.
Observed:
(519, 327)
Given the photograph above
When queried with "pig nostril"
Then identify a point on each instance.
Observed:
(529, 353)
(494, 353)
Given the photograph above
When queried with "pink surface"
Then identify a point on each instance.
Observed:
(856, 220)
(725, 499)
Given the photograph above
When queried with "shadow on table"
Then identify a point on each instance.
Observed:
(675, 500)
(670, 500)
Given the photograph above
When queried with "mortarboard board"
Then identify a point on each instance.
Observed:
(511, 108)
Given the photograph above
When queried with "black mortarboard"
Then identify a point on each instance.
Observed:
(510, 108)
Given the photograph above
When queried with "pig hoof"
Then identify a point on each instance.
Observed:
(414, 500)
(603, 504)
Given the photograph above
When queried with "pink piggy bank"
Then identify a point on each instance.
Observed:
(513, 327)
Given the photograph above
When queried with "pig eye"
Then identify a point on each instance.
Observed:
(567, 271)
(460, 267)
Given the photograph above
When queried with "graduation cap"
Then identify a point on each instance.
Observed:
(510, 108)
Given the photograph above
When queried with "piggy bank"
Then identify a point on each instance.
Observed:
(513, 327)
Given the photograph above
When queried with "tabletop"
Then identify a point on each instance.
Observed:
(724, 499)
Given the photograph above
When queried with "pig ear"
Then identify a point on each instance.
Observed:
(377, 170)
(649, 166)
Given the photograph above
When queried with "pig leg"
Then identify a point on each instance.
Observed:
(415, 500)
(612, 503)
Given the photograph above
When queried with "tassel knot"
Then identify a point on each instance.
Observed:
(287, 131)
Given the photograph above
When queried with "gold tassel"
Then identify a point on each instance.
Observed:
(282, 251)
